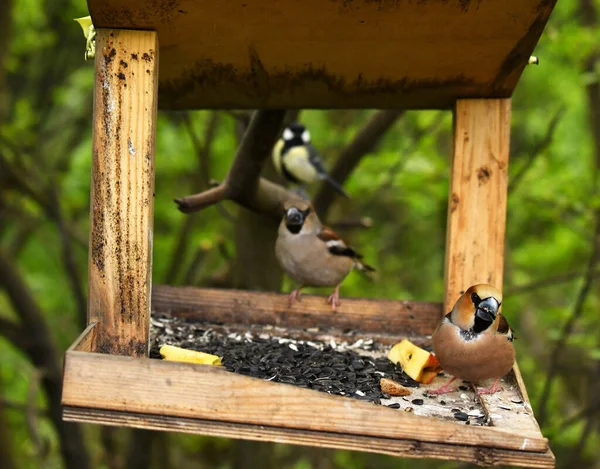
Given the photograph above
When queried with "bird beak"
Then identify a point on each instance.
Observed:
(487, 310)
(294, 217)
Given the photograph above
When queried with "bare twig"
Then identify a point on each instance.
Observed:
(570, 323)
(14, 333)
(547, 282)
(68, 258)
(243, 184)
(22, 407)
(200, 182)
(41, 444)
(537, 149)
(399, 164)
(42, 352)
(350, 156)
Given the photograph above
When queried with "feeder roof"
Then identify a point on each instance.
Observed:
(335, 53)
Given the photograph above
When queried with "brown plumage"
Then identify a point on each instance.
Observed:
(474, 341)
(313, 254)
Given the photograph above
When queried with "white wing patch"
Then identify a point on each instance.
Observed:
(335, 242)
(306, 136)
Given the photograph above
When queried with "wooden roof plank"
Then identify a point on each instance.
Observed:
(334, 54)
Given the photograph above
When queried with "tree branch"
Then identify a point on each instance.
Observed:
(546, 282)
(568, 326)
(14, 333)
(201, 181)
(537, 149)
(350, 156)
(243, 184)
(42, 352)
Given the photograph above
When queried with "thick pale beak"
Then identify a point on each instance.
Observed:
(487, 310)
(294, 217)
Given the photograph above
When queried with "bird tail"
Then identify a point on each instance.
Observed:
(366, 270)
(336, 185)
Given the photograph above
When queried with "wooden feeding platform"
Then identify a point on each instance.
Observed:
(261, 54)
(163, 395)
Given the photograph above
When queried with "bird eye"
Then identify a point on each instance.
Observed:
(475, 298)
(306, 136)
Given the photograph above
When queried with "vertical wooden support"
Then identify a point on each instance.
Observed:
(477, 196)
(122, 199)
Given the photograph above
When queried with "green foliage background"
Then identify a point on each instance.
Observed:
(552, 227)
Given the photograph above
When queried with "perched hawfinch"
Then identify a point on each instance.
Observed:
(313, 254)
(297, 159)
(474, 341)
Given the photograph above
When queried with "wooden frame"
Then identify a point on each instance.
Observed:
(142, 393)
(336, 54)
(107, 375)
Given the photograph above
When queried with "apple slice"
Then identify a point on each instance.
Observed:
(419, 364)
(178, 354)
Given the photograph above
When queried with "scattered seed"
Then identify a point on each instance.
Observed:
(463, 388)
(395, 405)
(417, 401)
(461, 416)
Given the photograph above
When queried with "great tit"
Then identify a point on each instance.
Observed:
(297, 159)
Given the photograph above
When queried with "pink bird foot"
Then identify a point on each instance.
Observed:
(444, 389)
(334, 299)
(295, 296)
(495, 388)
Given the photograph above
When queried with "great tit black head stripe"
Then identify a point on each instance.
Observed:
(297, 159)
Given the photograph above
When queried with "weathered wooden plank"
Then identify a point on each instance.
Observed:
(122, 196)
(86, 342)
(477, 196)
(477, 219)
(393, 447)
(129, 384)
(335, 54)
(405, 318)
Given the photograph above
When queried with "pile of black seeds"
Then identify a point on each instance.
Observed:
(313, 365)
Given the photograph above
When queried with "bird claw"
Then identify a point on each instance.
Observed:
(441, 390)
(294, 296)
(334, 299)
(487, 391)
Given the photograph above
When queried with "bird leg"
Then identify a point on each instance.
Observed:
(295, 295)
(445, 388)
(492, 390)
(334, 299)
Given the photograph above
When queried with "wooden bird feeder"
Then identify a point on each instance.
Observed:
(259, 54)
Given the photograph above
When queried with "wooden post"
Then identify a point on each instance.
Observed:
(122, 194)
(477, 196)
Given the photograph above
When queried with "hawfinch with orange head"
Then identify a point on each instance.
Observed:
(474, 341)
(313, 254)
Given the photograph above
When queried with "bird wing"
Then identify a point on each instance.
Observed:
(504, 328)
(338, 247)
(315, 160)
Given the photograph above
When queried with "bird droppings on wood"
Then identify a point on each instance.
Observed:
(317, 360)
(134, 56)
(146, 57)
(121, 76)
(123, 64)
